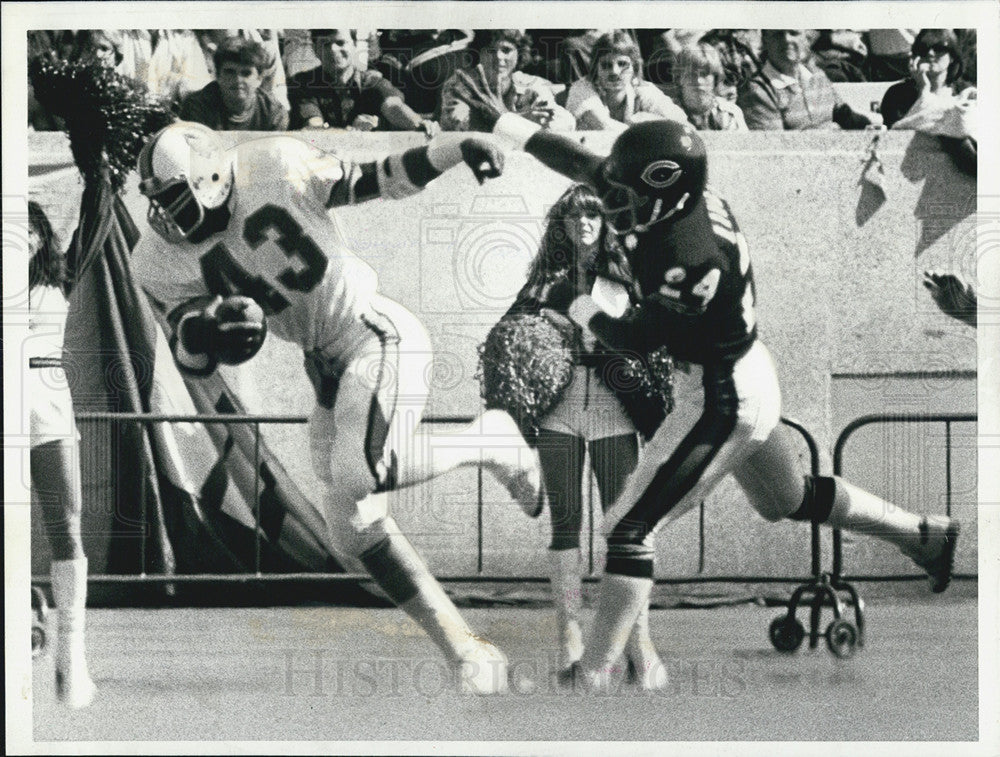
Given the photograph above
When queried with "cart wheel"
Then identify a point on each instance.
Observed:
(786, 633)
(38, 640)
(842, 638)
(39, 604)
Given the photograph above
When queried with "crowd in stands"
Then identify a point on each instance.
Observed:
(563, 79)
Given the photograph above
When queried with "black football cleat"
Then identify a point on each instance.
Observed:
(936, 552)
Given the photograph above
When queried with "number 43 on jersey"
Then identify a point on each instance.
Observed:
(225, 276)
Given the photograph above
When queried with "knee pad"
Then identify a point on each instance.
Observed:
(820, 493)
(630, 550)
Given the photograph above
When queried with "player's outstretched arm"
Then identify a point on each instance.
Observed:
(404, 174)
(562, 154)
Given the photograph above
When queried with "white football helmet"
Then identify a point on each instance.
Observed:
(185, 171)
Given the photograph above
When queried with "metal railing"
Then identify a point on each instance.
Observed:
(255, 421)
(257, 575)
(904, 418)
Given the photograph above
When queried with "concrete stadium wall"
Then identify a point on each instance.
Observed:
(841, 307)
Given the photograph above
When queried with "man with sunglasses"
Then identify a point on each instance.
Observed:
(693, 267)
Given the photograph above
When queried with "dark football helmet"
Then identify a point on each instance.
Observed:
(656, 170)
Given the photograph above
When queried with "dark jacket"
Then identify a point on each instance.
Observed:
(901, 97)
(205, 107)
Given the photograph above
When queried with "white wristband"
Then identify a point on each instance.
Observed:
(445, 152)
(514, 130)
(195, 361)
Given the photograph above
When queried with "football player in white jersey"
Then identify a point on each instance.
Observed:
(694, 271)
(252, 229)
(55, 457)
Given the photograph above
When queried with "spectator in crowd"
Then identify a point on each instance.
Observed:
(842, 55)
(935, 69)
(936, 99)
(889, 53)
(790, 92)
(104, 47)
(236, 101)
(740, 51)
(273, 80)
(698, 72)
(338, 94)
(500, 53)
(55, 471)
(177, 67)
(614, 94)
(420, 61)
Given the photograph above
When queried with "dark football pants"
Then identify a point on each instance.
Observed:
(719, 424)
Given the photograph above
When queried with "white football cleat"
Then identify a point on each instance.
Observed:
(513, 462)
(483, 671)
(650, 675)
(578, 678)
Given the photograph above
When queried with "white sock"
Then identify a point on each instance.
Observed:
(640, 647)
(493, 437)
(567, 597)
(855, 509)
(69, 589)
(399, 565)
(622, 598)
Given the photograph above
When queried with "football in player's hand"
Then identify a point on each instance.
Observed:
(240, 329)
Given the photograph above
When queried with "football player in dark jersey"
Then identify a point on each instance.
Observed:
(694, 271)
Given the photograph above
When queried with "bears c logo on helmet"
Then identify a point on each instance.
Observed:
(660, 174)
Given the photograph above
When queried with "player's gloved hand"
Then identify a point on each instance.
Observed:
(560, 296)
(953, 294)
(483, 156)
(231, 330)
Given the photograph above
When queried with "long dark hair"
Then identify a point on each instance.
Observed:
(556, 253)
(483, 38)
(946, 37)
(48, 266)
